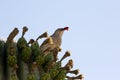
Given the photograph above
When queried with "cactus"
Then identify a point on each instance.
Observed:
(11, 57)
(23, 60)
(1, 57)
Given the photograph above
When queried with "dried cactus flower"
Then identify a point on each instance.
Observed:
(25, 29)
(60, 49)
(74, 71)
(31, 41)
(79, 77)
(67, 54)
(44, 35)
(70, 63)
(12, 35)
(66, 68)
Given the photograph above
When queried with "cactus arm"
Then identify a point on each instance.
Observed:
(1, 59)
(11, 56)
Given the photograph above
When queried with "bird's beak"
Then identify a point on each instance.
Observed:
(66, 28)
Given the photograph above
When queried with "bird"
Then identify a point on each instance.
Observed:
(53, 41)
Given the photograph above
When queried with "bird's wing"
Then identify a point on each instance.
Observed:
(45, 47)
(47, 41)
(57, 41)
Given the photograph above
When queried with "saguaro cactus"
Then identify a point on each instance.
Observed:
(25, 60)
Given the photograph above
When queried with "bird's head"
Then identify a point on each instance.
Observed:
(59, 31)
(62, 29)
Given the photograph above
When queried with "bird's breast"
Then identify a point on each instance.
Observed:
(57, 41)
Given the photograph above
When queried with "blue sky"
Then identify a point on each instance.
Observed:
(93, 38)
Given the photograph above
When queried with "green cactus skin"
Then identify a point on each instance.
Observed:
(54, 72)
(47, 62)
(61, 75)
(36, 52)
(24, 71)
(1, 59)
(24, 54)
(45, 76)
(11, 60)
(13, 77)
(35, 59)
(1, 48)
(31, 77)
(36, 73)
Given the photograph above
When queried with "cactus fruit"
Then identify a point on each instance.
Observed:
(24, 60)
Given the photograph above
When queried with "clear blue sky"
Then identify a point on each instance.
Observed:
(93, 38)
